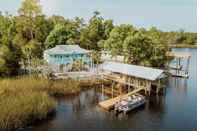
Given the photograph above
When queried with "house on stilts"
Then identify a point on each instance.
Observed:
(66, 55)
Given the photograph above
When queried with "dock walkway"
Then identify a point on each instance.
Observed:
(109, 104)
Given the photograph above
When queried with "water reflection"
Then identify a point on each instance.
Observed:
(86, 101)
(156, 103)
(180, 85)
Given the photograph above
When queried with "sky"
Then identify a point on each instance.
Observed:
(164, 14)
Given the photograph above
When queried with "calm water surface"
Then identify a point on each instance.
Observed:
(176, 110)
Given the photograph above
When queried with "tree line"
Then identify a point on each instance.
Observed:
(25, 36)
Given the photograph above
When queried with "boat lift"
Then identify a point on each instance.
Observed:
(179, 70)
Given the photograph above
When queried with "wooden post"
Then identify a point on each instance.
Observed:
(112, 89)
(145, 91)
(187, 67)
(158, 87)
(179, 61)
(179, 64)
(129, 81)
(176, 66)
(120, 89)
(136, 83)
(102, 87)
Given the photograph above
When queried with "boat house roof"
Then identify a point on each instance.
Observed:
(66, 49)
(133, 70)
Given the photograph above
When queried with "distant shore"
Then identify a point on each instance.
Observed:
(183, 46)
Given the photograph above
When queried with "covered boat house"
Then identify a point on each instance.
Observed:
(128, 79)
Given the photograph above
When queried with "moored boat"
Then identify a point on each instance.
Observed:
(130, 103)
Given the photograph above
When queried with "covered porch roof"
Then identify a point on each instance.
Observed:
(133, 70)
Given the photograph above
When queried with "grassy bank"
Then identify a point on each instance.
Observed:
(24, 100)
(88, 83)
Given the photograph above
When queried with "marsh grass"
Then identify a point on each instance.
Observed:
(24, 100)
(63, 87)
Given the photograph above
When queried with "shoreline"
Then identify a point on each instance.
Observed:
(184, 46)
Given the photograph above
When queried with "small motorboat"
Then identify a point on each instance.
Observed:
(130, 103)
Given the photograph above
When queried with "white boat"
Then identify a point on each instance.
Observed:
(130, 103)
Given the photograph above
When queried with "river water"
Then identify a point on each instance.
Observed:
(176, 110)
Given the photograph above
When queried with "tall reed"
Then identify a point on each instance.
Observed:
(23, 100)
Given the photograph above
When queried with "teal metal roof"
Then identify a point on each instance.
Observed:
(66, 49)
(133, 70)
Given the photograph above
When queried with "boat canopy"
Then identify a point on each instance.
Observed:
(142, 72)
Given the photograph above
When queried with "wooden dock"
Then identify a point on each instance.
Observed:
(181, 74)
(178, 69)
(109, 104)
